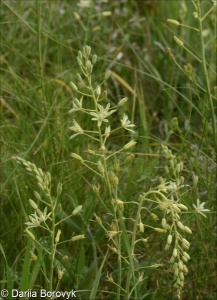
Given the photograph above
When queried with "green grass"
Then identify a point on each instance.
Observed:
(40, 41)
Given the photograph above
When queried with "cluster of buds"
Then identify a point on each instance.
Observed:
(179, 256)
(171, 206)
(43, 179)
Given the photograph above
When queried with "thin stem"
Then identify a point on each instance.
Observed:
(52, 245)
(207, 82)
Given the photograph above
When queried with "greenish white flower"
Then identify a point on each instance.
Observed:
(200, 208)
(37, 218)
(102, 114)
(126, 123)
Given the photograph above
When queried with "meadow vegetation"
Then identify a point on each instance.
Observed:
(108, 148)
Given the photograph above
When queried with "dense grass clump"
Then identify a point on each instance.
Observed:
(108, 148)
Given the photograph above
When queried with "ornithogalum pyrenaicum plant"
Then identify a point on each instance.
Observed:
(128, 226)
(166, 197)
(46, 210)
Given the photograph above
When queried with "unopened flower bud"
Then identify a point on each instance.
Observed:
(77, 210)
(174, 22)
(33, 204)
(37, 195)
(30, 234)
(129, 158)
(185, 254)
(80, 54)
(175, 252)
(89, 67)
(188, 230)
(78, 237)
(180, 225)
(60, 274)
(57, 238)
(178, 41)
(107, 75)
(98, 219)
(59, 188)
(122, 102)
(106, 13)
(185, 243)
(160, 230)
(169, 239)
(73, 86)
(98, 91)
(87, 50)
(141, 227)
(76, 156)
(182, 206)
(164, 223)
(129, 145)
(100, 167)
(79, 77)
(79, 61)
(33, 256)
(94, 59)
(104, 94)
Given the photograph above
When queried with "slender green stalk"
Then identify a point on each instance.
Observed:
(205, 72)
(52, 244)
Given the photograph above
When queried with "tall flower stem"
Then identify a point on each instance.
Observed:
(205, 71)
